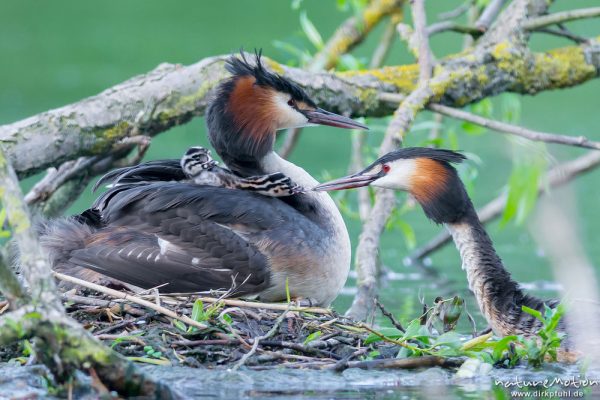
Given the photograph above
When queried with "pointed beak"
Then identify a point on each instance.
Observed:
(322, 117)
(347, 182)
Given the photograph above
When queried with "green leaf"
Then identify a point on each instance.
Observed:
(450, 339)
(311, 31)
(302, 56)
(342, 5)
(198, 314)
(409, 233)
(180, 325)
(287, 290)
(227, 318)
(473, 129)
(296, 4)
(485, 108)
(522, 191)
(533, 312)
(415, 330)
(501, 346)
(313, 336)
(391, 333)
(511, 108)
(452, 139)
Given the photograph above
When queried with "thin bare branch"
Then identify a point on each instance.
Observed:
(503, 127)
(450, 26)
(367, 250)
(33, 263)
(422, 38)
(557, 176)
(385, 42)
(352, 32)
(557, 18)
(348, 35)
(257, 340)
(563, 33)
(489, 14)
(457, 12)
(121, 295)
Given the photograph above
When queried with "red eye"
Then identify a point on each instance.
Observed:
(385, 168)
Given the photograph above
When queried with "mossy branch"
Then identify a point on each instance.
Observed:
(173, 94)
(61, 343)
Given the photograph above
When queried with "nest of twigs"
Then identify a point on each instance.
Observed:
(218, 332)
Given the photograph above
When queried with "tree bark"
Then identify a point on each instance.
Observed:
(173, 94)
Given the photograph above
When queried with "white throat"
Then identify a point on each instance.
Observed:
(333, 249)
(272, 163)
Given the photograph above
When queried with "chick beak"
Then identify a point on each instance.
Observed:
(322, 117)
(347, 182)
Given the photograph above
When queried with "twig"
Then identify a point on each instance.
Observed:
(457, 12)
(489, 14)
(385, 42)
(557, 176)
(387, 339)
(125, 296)
(352, 32)
(367, 250)
(563, 33)
(391, 317)
(265, 306)
(503, 127)
(422, 38)
(446, 26)
(268, 343)
(349, 34)
(257, 340)
(557, 18)
(56, 177)
(404, 363)
(358, 137)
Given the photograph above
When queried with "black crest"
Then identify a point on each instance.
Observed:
(451, 203)
(240, 152)
(241, 66)
(441, 155)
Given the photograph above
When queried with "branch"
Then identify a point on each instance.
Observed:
(33, 263)
(172, 95)
(457, 12)
(257, 339)
(489, 14)
(557, 18)
(446, 26)
(65, 346)
(557, 176)
(563, 33)
(503, 127)
(422, 38)
(10, 286)
(351, 33)
(121, 295)
(366, 252)
(52, 195)
(61, 344)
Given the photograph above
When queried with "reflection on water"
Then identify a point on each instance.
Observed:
(26, 382)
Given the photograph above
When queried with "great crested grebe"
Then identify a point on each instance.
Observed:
(427, 174)
(187, 237)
